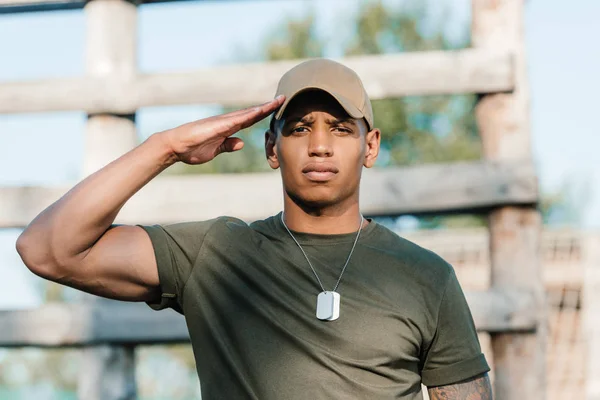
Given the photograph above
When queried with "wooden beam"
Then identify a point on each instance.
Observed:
(389, 191)
(384, 76)
(21, 6)
(503, 120)
(108, 372)
(111, 54)
(25, 6)
(503, 310)
(82, 324)
(89, 323)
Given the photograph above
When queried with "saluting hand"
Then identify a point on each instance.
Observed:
(200, 141)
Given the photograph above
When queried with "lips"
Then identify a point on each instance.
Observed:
(320, 172)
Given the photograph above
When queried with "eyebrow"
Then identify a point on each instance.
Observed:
(339, 121)
(305, 120)
(301, 119)
(309, 121)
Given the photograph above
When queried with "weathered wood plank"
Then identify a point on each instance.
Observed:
(108, 372)
(111, 53)
(23, 6)
(89, 323)
(503, 310)
(393, 75)
(390, 191)
(133, 323)
(503, 119)
(390, 75)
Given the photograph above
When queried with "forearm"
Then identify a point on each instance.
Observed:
(478, 388)
(70, 226)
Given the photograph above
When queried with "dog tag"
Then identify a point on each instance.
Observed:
(328, 306)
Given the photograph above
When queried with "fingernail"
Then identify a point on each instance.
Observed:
(279, 97)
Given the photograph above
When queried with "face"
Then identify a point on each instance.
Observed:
(321, 151)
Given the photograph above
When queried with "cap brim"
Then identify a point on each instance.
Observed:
(345, 103)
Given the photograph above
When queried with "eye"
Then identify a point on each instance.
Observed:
(343, 129)
(300, 129)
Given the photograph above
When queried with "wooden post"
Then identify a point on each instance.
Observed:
(591, 314)
(503, 120)
(111, 53)
(108, 372)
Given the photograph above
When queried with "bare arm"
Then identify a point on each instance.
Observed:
(74, 242)
(477, 388)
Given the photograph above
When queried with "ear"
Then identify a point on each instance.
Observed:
(372, 143)
(271, 149)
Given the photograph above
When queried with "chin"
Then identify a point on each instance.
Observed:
(317, 197)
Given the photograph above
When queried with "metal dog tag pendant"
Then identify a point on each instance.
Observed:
(328, 306)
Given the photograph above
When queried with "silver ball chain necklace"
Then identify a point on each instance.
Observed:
(328, 302)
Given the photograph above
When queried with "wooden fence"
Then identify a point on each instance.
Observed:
(571, 261)
(503, 185)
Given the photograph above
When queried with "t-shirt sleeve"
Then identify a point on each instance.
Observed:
(455, 353)
(176, 249)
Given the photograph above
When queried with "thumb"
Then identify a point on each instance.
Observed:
(230, 145)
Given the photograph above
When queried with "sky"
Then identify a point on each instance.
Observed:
(46, 148)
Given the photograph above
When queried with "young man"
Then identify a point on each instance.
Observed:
(313, 303)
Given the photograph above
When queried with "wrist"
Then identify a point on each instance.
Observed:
(165, 152)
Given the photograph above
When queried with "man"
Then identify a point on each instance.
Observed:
(313, 303)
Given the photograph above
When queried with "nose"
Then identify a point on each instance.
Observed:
(320, 143)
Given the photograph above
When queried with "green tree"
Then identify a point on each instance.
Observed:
(294, 39)
(415, 129)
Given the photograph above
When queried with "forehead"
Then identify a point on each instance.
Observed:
(311, 101)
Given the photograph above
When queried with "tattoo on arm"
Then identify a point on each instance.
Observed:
(477, 388)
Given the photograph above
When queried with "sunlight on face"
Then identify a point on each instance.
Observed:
(321, 151)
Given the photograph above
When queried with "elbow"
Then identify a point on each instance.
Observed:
(36, 257)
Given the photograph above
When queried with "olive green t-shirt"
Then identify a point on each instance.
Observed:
(249, 299)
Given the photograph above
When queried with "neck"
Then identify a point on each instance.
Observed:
(328, 220)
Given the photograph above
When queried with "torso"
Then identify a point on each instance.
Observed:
(264, 341)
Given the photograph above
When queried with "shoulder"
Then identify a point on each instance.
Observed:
(228, 227)
(192, 230)
(218, 227)
(417, 259)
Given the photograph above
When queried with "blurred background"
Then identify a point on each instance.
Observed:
(562, 64)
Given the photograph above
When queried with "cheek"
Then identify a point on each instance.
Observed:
(285, 156)
(289, 158)
(292, 151)
(354, 156)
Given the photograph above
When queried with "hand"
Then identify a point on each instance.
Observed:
(200, 141)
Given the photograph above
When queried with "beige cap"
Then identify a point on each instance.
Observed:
(332, 77)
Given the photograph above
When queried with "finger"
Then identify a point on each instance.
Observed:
(230, 145)
(268, 107)
(244, 120)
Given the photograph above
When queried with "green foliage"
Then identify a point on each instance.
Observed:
(293, 40)
(415, 130)
(298, 40)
